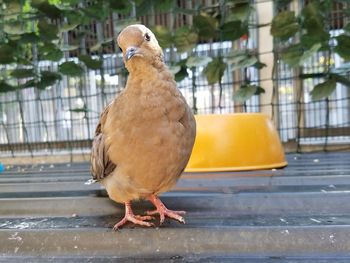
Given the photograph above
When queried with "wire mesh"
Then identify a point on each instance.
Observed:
(34, 122)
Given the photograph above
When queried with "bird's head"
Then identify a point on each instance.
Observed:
(139, 46)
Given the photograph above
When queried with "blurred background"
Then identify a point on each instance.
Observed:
(60, 65)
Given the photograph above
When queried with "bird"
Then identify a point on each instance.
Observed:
(145, 135)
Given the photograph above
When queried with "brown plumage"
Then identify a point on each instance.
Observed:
(145, 135)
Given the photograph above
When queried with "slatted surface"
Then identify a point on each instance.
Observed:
(297, 214)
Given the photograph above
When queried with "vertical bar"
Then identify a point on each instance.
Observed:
(265, 48)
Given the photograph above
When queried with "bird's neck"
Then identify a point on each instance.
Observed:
(148, 74)
(152, 81)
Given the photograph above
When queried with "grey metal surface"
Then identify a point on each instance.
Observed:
(298, 214)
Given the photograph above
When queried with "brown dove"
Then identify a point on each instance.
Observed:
(145, 136)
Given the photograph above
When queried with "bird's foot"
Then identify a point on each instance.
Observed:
(135, 219)
(165, 212)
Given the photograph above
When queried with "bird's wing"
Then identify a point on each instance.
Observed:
(101, 165)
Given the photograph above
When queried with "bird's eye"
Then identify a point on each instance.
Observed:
(147, 37)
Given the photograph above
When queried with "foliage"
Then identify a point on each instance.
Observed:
(224, 21)
(306, 34)
(247, 91)
(323, 89)
(215, 70)
(35, 30)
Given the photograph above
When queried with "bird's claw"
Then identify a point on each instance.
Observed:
(135, 219)
(164, 212)
(143, 218)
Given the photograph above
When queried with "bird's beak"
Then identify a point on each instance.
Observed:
(130, 52)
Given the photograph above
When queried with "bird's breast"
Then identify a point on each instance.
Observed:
(149, 113)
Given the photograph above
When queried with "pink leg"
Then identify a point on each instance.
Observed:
(130, 217)
(163, 211)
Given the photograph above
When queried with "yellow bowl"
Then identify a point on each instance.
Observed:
(235, 142)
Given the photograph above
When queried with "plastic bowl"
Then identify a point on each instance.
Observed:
(235, 142)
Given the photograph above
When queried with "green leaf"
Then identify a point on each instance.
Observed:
(323, 89)
(346, 11)
(22, 73)
(97, 11)
(29, 38)
(65, 6)
(233, 30)
(71, 2)
(341, 79)
(312, 17)
(54, 55)
(5, 87)
(309, 53)
(174, 69)
(47, 31)
(182, 73)
(163, 36)
(163, 5)
(50, 52)
(347, 27)
(70, 68)
(6, 54)
(343, 46)
(236, 53)
(66, 48)
(121, 6)
(83, 109)
(259, 65)
(198, 61)
(284, 25)
(241, 59)
(76, 17)
(245, 63)
(14, 28)
(295, 56)
(13, 9)
(50, 11)
(259, 90)
(146, 6)
(185, 39)
(47, 79)
(240, 11)
(312, 75)
(206, 26)
(314, 20)
(28, 84)
(307, 41)
(98, 45)
(68, 27)
(90, 63)
(292, 55)
(215, 70)
(246, 92)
